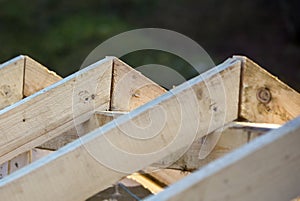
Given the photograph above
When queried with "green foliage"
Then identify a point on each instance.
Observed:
(61, 34)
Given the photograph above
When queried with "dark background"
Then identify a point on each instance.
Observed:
(60, 34)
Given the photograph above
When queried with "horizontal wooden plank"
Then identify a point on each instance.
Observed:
(54, 110)
(92, 163)
(265, 169)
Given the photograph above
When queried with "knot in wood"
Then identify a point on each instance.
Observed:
(264, 95)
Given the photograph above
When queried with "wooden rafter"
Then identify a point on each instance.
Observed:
(86, 182)
(217, 97)
(264, 98)
(265, 169)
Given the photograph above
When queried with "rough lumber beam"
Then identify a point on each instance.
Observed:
(37, 77)
(129, 90)
(50, 112)
(19, 162)
(264, 98)
(74, 171)
(21, 76)
(11, 82)
(265, 169)
(11, 90)
(232, 136)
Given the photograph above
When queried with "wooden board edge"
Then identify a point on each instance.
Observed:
(265, 169)
(264, 98)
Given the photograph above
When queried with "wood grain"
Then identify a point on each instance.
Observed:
(232, 136)
(11, 81)
(265, 169)
(54, 110)
(37, 77)
(87, 165)
(284, 103)
(130, 89)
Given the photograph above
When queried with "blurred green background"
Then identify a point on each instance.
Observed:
(60, 34)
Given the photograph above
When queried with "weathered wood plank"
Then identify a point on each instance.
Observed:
(130, 89)
(54, 110)
(37, 77)
(19, 162)
(3, 170)
(26, 77)
(265, 169)
(99, 118)
(11, 81)
(232, 136)
(264, 98)
(86, 164)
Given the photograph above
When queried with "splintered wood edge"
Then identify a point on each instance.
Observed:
(37, 76)
(265, 169)
(263, 97)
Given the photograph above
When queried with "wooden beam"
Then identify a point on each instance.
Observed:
(21, 76)
(19, 162)
(232, 136)
(98, 119)
(11, 81)
(11, 91)
(37, 77)
(264, 98)
(54, 110)
(87, 165)
(265, 169)
(130, 89)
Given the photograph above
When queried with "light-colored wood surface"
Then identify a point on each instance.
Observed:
(87, 165)
(37, 154)
(130, 89)
(37, 77)
(146, 183)
(54, 110)
(21, 76)
(265, 169)
(11, 90)
(11, 81)
(3, 170)
(98, 119)
(19, 162)
(168, 176)
(232, 136)
(284, 102)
